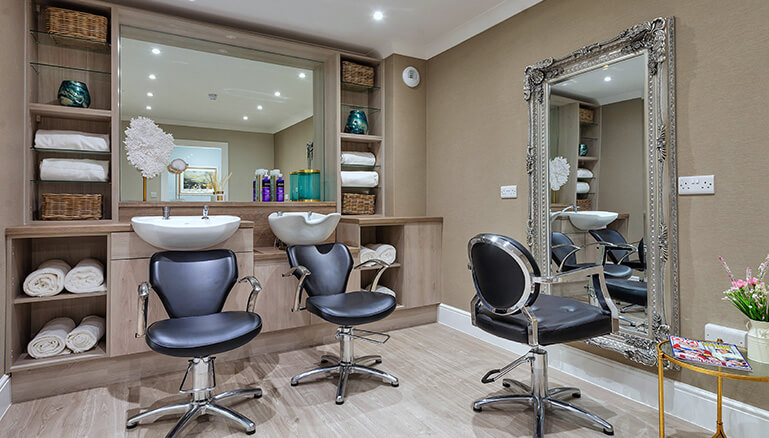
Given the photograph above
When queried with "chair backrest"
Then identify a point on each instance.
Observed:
(193, 283)
(502, 269)
(611, 236)
(329, 264)
(559, 254)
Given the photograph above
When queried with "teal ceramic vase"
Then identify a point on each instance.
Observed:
(356, 123)
(74, 93)
(583, 150)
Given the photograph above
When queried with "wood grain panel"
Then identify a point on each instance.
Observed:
(277, 297)
(131, 246)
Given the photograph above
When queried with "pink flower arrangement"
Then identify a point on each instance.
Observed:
(750, 295)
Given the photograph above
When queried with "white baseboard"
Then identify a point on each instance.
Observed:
(5, 394)
(684, 401)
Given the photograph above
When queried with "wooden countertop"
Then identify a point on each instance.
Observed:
(271, 253)
(224, 204)
(70, 228)
(367, 220)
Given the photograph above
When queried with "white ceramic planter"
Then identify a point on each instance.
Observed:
(758, 341)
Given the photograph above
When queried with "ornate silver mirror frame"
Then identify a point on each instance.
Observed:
(655, 39)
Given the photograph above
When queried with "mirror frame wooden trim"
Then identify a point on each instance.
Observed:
(655, 39)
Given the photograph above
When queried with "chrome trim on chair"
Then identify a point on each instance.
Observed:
(298, 296)
(144, 293)
(383, 266)
(256, 287)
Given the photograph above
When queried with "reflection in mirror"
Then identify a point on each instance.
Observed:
(231, 111)
(598, 183)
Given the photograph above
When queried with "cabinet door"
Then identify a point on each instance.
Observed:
(277, 297)
(421, 264)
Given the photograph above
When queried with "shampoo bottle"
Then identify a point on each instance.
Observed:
(280, 188)
(255, 196)
(266, 189)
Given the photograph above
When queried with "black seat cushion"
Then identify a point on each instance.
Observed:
(629, 291)
(609, 270)
(199, 336)
(352, 308)
(560, 320)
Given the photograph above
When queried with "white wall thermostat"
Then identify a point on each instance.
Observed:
(411, 76)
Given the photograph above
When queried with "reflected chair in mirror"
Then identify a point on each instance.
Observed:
(193, 286)
(564, 254)
(619, 251)
(508, 304)
(323, 272)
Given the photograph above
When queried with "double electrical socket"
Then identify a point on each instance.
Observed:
(696, 185)
(508, 192)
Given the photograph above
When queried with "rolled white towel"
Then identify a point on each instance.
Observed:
(51, 339)
(359, 178)
(384, 252)
(86, 276)
(71, 140)
(358, 158)
(583, 187)
(47, 279)
(367, 254)
(584, 173)
(74, 170)
(85, 336)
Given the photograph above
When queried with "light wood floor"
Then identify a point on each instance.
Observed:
(439, 369)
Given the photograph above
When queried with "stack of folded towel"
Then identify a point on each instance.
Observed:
(381, 251)
(58, 169)
(358, 158)
(359, 178)
(60, 336)
(54, 276)
(71, 140)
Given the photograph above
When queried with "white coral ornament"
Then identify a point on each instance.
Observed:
(147, 146)
(559, 173)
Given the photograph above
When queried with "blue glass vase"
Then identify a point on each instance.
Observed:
(356, 123)
(74, 93)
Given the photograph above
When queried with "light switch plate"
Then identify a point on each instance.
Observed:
(696, 185)
(508, 192)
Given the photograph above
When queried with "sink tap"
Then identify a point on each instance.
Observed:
(205, 212)
(555, 215)
(166, 213)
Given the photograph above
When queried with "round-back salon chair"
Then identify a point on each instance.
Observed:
(323, 272)
(508, 304)
(193, 286)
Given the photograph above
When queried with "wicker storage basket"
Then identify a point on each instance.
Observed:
(586, 115)
(66, 206)
(358, 203)
(357, 74)
(584, 204)
(75, 24)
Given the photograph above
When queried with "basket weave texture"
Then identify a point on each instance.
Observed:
(357, 74)
(75, 24)
(358, 203)
(67, 206)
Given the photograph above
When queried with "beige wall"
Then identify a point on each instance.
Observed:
(291, 149)
(405, 138)
(247, 151)
(477, 133)
(622, 181)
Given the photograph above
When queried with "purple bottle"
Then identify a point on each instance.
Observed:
(266, 189)
(280, 189)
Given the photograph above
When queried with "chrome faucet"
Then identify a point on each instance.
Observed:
(166, 213)
(554, 216)
(205, 212)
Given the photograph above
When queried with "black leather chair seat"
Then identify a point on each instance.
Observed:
(629, 291)
(635, 264)
(352, 308)
(610, 270)
(560, 320)
(199, 336)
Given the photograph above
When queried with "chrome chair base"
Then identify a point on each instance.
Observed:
(202, 402)
(345, 365)
(539, 396)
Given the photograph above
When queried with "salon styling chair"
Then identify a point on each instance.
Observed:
(323, 272)
(619, 251)
(193, 286)
(564, 253)
(508, 304)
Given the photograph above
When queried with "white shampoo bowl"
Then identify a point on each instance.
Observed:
(185, 233)
(303, 228)
(591, 220)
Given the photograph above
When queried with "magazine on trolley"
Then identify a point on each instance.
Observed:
(709, 353)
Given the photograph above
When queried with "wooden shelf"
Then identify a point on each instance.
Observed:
(26, 362)
(376, 267)
(357, 138)
(68, 112)
(59, 297)
(587, 158)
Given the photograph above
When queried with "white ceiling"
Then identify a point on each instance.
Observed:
(184, 79)
(627, 82)
(419, 28)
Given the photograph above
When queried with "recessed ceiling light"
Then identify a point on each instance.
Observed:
(245, 117)
(607, 79)
(302, 75)
(152, 76)
(378, 15)
(148, 107)
(259, 107)
(149, 94)
(277, 94)
(155, 51)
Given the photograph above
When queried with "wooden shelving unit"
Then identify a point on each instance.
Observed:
(25, 362)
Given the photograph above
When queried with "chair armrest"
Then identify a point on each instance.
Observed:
(144, 292)
(298, 297)
(573, 251)
(382, 267)
(256, 287)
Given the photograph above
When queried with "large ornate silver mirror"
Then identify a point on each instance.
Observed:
(602, 175)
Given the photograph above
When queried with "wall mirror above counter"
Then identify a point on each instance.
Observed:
(602, 171)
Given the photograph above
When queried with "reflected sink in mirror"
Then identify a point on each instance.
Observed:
(303, 228)
(185, 233)
(591, 220)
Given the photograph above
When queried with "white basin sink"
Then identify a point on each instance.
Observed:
(591, 220)
(185, 233)
(303, 228)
